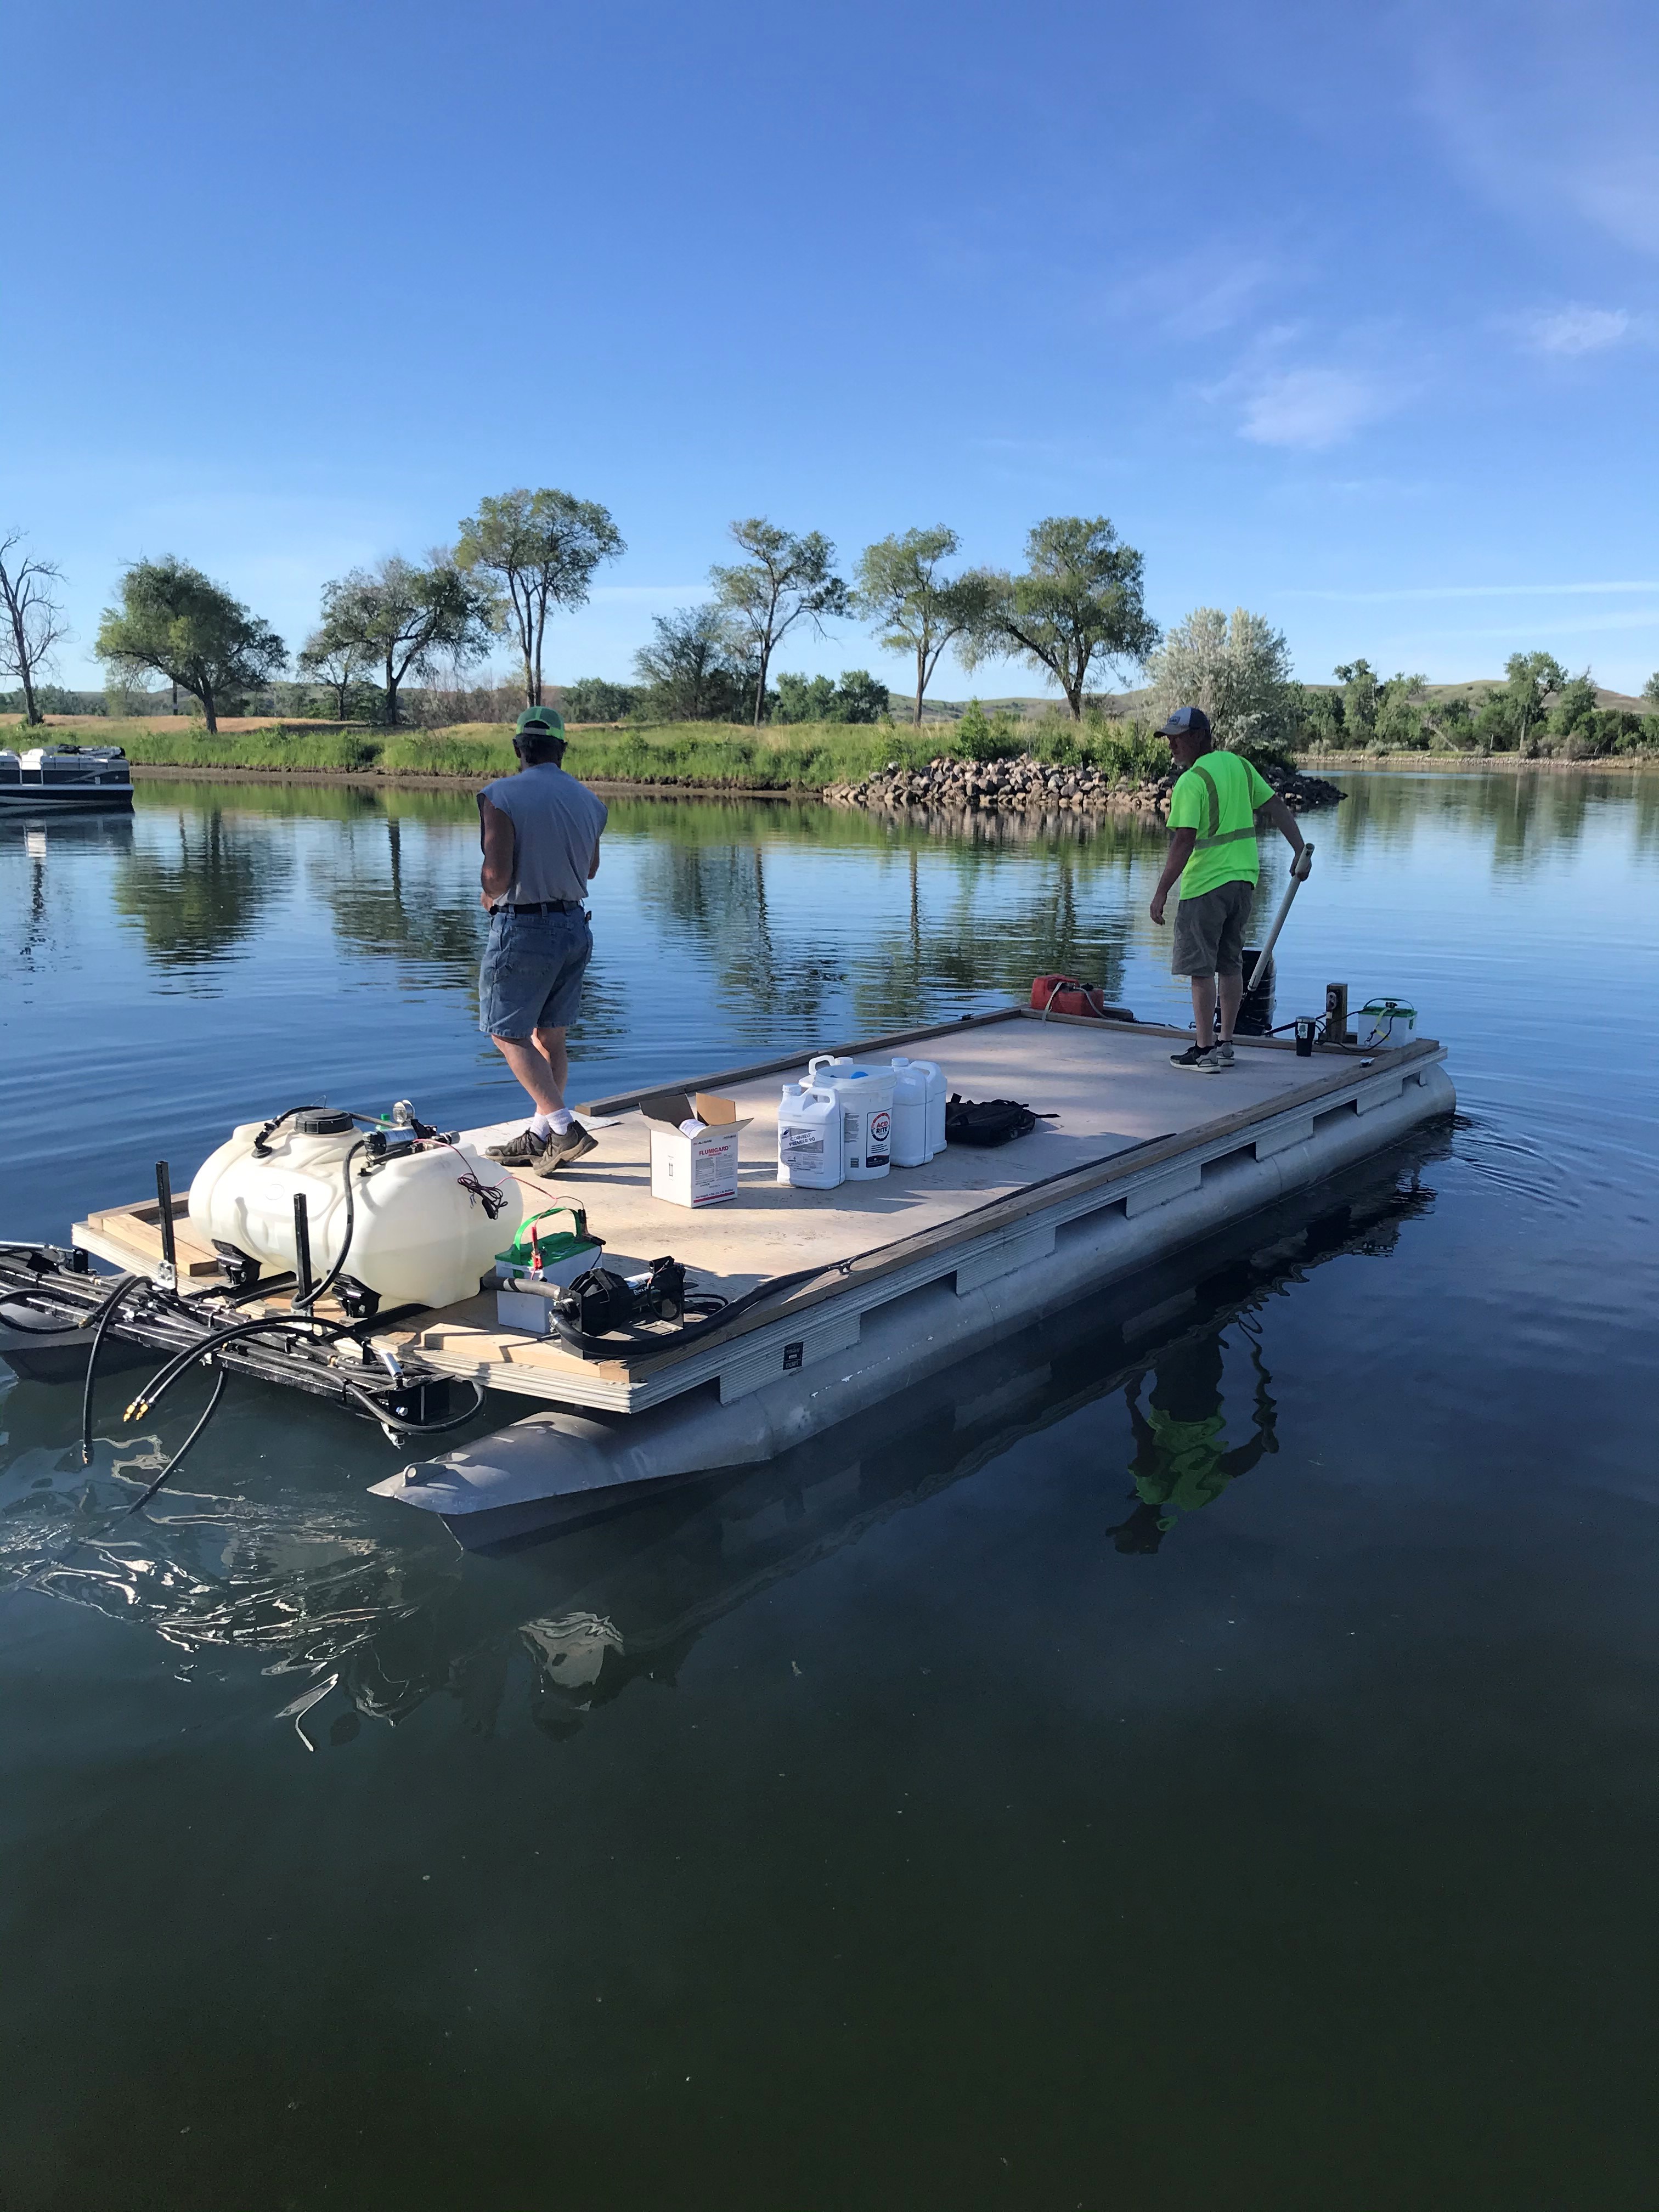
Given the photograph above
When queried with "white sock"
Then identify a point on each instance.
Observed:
(541, 1125)
(559, 1122)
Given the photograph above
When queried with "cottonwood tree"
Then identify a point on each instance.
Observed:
(1078, 604)
(1237, 669)
(784, 579)
(34, 621)
(690, 667)
(899, 590)
(1360, 691)
(541, 548)
(409, 619)
(174, 622)
(339, 663)
(1531, 676)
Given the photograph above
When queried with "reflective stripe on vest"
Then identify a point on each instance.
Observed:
(1218, 836)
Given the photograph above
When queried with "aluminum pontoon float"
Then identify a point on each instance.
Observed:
(848, 1297)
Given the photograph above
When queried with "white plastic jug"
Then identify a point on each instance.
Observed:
(910, 1147)
(809, 1138)
(938, 1091)
(865, 1097)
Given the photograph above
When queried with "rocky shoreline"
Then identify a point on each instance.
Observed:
(1027, 786)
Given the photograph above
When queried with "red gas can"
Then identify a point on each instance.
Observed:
(1064, 995)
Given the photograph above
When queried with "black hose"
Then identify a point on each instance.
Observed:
(98, 1322)
(307, 1299)
(261, 1148)
(391, 1420)
(202, 1420)
(271, 1324)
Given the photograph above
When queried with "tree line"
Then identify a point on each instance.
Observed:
(1074, 613)
(1075, 609)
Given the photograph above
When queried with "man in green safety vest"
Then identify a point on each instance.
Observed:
(1212, 849)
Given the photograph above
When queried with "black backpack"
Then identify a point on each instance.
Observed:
(988, 1121)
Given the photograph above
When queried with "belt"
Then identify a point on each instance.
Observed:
(541, 906)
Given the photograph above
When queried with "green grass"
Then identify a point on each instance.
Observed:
(291, 747)
(707, 755)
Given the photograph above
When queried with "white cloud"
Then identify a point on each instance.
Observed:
(1195, 296)
(1312, 408)
(1586, 76)
(1574, 330)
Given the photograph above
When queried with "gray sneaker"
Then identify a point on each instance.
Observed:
(1222, 1052)
(1196, 1060)
(524, 1151)
(563, 1147)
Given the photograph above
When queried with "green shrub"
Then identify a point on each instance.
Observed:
(979, 737)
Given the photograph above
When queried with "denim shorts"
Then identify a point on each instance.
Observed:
(532, 977)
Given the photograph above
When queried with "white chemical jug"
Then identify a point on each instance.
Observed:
(809, 1138)
(938, 1091)
(910, 1147)
(864, 1096)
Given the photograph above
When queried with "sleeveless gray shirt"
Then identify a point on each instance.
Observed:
(556, 823)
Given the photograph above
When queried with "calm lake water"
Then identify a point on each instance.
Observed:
(992, 1807)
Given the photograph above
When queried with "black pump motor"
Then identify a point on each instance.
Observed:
(600, 1300)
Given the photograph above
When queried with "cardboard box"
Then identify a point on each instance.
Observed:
(700, 1169)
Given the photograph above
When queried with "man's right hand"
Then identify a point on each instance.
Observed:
(1302, 866)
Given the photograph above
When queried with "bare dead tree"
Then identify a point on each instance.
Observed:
(34, 621)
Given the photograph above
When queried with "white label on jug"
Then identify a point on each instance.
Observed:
(849, 1129)
(807, 1142)
(881, 1128)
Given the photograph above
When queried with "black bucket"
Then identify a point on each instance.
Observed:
(1256, 1014)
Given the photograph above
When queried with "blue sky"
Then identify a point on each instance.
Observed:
(1350, 316)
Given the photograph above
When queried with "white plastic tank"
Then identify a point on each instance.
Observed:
(809, 1138)
(418, 1237)
(938, 1091)
(910, 1147)
(865, 1097)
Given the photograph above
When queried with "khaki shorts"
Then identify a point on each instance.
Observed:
(1209, 930)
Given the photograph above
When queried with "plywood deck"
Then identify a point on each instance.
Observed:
(1122, 1114)
(1108, 1090)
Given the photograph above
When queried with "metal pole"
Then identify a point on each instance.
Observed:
(1299, 868)
(168, 1277)
(301, 1250)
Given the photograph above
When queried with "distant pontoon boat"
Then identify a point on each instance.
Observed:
(52, 779)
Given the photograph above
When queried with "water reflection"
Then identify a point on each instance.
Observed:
(377, 1615)
(201, 889)
(391, 899)
(1181, 1463)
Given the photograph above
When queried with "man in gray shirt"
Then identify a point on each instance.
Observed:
(541, 832)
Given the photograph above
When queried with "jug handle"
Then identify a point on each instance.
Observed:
(821, 1059)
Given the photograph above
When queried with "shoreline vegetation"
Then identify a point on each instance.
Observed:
(787, 760)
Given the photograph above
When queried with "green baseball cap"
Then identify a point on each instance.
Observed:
(539, 722)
